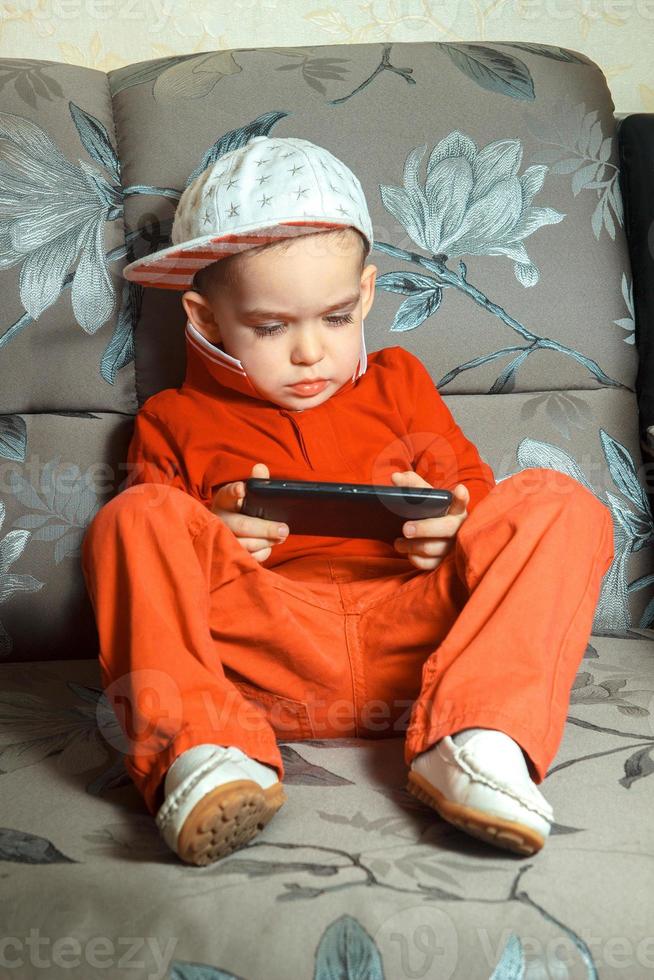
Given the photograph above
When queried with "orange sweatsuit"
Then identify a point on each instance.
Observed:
(332, 637)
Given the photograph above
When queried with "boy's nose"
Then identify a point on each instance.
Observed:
(307, 347)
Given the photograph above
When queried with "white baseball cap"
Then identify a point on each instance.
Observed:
(270, 188)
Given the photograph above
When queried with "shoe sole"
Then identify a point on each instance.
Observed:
(508, 834)
(227, 818)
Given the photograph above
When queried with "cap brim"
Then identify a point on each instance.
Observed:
(174, 267)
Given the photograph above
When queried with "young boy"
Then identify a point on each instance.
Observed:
(219, 633)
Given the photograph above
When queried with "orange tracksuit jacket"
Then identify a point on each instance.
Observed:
(213, 428)
(331, 637)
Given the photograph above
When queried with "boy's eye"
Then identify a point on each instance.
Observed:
(336, 321)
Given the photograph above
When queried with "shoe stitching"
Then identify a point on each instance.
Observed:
(467, 762)
(183, 790)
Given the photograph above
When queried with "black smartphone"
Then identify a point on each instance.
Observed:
(342, 510)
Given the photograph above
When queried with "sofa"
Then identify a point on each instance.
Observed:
(512, 210)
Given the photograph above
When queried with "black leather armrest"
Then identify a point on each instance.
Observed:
(636, 154)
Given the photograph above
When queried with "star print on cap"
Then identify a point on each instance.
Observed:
(271, 188)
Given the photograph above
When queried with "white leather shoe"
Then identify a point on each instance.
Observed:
(216, 800)
(484, 787)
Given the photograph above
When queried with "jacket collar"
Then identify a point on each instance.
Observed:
(207, 364)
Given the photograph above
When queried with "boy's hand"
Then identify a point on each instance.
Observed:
(434, 536)
(254, 533)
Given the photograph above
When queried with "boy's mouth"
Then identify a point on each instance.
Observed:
(309, 387)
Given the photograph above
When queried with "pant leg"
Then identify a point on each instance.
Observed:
(152, 559)
(502, 623)
(182, 607)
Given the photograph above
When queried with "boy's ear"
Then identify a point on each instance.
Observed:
(198, 310)
(368, 279)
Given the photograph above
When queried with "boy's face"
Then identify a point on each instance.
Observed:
(299, 295)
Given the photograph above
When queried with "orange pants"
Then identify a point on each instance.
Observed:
(200, 642)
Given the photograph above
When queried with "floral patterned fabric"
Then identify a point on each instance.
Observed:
(352, 878)
(499, 241)
(493, 180)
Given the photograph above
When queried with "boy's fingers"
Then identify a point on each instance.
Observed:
(262, 555)
(239, 494)
(257, 528)
(254, 544)
(411, 478)
(226, 497)
(431, 527)
(460, 499)
(230, 496)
